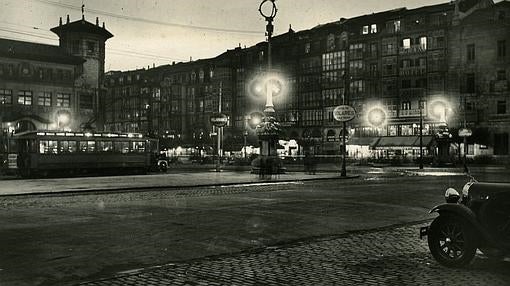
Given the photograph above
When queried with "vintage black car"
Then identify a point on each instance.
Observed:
(479, 218)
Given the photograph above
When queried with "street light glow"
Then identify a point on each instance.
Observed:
(438, 109)
(376, 116)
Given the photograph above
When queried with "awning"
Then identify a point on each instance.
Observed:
(363, 141)
(404, 141)
(427, 141)
(397, 141)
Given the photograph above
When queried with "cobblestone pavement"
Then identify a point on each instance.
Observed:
(392, 256)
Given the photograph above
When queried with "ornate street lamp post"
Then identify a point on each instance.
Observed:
(268, 130)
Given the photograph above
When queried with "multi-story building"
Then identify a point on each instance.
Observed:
(53, 87)
(437, 65)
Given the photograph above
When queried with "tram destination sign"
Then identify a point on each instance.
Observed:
(219, 119)
(344, 113)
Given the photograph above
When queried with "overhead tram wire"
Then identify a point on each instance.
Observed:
(104, 13)
(112, 50)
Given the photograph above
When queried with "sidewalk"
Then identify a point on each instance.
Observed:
(130, 182)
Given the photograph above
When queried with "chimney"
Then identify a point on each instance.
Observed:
(103, 25)
(67, 22)
(153, 65)
(190, 59)
(60, 21)
(173, 63)
(97, 21)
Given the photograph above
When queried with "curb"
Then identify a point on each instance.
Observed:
(150, 188)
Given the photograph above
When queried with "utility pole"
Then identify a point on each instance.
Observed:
(219, 131)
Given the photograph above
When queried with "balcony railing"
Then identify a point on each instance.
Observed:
(413, 71)
(412, 50)
(412, 113)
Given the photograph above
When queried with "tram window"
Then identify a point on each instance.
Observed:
(48, 147)
(88, 146)
(105, 146)
(138, 146)
(121, 147)
(67, 146)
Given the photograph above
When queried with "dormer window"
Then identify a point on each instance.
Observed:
(365, 30)
(373, 28)
(91, 47)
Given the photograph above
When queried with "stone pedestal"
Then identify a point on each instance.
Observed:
(268, 163)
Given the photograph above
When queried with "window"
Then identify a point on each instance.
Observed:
(356, 51)
(44, 99)
(502, 75)
(87, 146)
(5, 96)
(357, 86)
(121, 147)
(25, 97)
(333, 61)
(406, 43)
(373, 28)
(470, 52)
(63, 99)
(67, 147)
(91, 47)
(365, 30)
(48, 147)
(501, 107)
(396, 26)
(406, 105)
(423, 43)
(501, 49)
(307, 48)
(138, 146)
(105, 146)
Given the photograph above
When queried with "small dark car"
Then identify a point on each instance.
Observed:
(479, 218)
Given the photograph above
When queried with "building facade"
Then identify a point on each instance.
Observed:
(53, 87)
(430, 69)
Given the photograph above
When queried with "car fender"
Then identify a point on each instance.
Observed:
(465, 213)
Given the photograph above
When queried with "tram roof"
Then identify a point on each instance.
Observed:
(68, 134)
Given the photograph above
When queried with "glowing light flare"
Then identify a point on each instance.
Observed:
(438, 109)
(376, 116)
(272, 85)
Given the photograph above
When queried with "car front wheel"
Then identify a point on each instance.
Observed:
(451, 241)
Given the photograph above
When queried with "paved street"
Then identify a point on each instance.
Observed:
(393, 256)
(66, 239)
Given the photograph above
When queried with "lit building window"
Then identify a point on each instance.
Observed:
(373, 28)
(63, 99)
(406, 43)
(44, 99)
(25, 97)
(396, 26)
(365, 30)
(423, 43)
(5, 96)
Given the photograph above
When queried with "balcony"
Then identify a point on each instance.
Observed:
(412, 113)
(418, 91)
(413, 71)
(412, 50)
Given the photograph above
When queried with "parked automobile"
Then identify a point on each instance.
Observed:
(478, 218)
